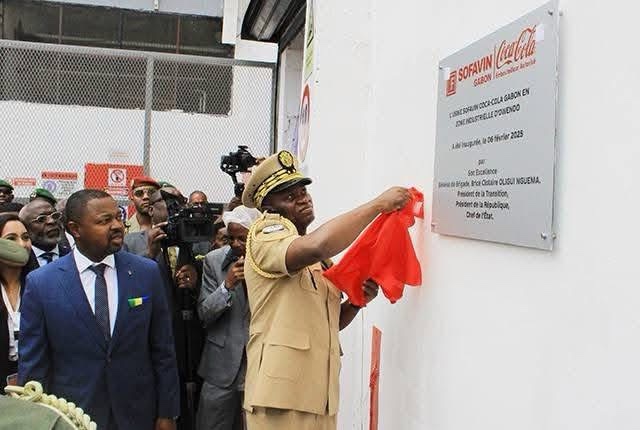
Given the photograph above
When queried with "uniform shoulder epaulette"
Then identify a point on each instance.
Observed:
(269, 227)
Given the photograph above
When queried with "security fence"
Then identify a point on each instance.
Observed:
(76, 117)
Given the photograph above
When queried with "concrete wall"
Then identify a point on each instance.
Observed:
(498, 337)
(189, 7)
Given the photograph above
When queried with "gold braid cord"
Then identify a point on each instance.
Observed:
(251, 238)
(32, 392)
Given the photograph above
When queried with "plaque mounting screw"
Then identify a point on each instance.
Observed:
(544, 236)
(550, 12)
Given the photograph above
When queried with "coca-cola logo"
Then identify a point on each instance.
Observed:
(523, 47)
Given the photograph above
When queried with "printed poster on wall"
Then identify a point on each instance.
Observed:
(496, 135)
(23, 185)
(60, 184)
(300, 145)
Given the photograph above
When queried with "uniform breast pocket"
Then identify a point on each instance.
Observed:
(286, 353)
(308, 281)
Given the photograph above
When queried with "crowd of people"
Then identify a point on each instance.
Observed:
(239, 331)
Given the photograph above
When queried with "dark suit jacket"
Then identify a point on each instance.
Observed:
(136, 243)
(63, 249)
(225, 316)
(133, 377)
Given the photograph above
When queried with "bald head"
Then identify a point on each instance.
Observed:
(35, 208)
(43, 223)
(197, 198)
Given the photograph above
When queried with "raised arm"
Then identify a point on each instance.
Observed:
(336, 235)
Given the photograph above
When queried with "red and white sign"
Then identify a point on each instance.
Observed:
(111, 178)
(515, 55)
(118, 177)
(60, 184)
(23, 182)
(304, 120)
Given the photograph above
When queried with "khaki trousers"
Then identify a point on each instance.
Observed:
(282, 419)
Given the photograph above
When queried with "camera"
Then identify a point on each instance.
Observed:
(235, 162)
(187, 225)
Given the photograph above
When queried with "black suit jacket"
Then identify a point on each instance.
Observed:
(63, 249)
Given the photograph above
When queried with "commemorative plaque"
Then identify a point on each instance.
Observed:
(496, 135)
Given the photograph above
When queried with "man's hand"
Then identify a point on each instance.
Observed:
(235, 274)
(165, 424)
(154, 239)
(186, 277)
(393, 199)
(370, 288)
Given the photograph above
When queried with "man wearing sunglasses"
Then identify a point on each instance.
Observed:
(44, 224)
(141, 189)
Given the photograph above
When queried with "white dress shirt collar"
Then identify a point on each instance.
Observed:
(38, 252)
(84, 263)
(70, 239)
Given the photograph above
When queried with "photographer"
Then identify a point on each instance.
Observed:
(180, 275)
(224, 310)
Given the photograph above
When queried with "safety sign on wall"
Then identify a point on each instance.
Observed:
(112, 178)
(60, 184)
(496, 135)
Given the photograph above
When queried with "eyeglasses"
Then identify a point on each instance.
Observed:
(139, 192)
(6, 191)
(41, 219)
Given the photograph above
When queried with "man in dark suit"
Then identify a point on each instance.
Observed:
(45, 228)
(224, 310)
(95, 327)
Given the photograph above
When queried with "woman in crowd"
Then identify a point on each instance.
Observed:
(13, 271)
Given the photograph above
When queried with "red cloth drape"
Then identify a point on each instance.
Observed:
(383, 252)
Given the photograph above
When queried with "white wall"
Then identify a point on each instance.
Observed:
(289, 87)
(498, 337)
(185, 148)
(190, 7)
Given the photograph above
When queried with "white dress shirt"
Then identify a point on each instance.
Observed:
(13, 323)
(70, 239)
(88, 279)
(38, 252)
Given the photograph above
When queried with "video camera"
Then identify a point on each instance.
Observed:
(236, 162)
(190, 224)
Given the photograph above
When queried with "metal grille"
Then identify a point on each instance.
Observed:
(75, 117)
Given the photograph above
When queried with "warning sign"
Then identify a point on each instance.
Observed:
(60, 184)
(303, 124)
(112, 178)
(23, 182)
(22, 185)
(118, 177)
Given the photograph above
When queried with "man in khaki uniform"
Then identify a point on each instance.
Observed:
(141, 189)
(293, 351)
